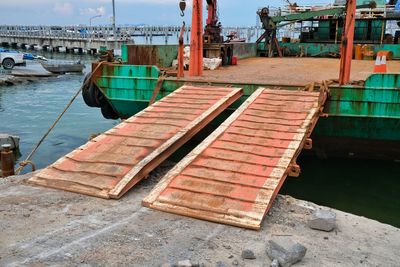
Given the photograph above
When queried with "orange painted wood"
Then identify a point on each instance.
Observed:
(111, 164)
(236, 173)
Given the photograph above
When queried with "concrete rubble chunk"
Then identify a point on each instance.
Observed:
(323, 220)
(286, 253)
(221, 264)
(188, 263)
(248, 254)
(275, 263)
(184, 263)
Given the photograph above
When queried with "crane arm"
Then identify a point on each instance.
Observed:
(309, 15)
(212, 18)
(270, 23)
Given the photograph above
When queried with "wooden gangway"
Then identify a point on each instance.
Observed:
(112, 163)
(235, 174)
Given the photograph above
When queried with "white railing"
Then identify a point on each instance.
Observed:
(105, 33)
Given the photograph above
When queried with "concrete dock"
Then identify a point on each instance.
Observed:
(45, 227)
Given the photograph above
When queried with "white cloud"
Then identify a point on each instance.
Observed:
(93, 11)
(168, 2)
(33, 3)
(64, 9)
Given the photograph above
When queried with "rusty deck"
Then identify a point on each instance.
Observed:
(112, 163)
(236, 173)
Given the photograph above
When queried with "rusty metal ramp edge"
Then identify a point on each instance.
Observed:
(112, 163)
(234, 175)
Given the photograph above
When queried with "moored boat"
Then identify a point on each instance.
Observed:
(361, 119)
(62, 68)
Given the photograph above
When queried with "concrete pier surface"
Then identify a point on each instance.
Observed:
(45, 227)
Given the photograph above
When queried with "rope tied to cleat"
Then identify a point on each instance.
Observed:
(28, 160)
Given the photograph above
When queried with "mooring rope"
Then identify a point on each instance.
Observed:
(28, 160)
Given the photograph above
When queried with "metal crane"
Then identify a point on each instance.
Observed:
(212, 32)
(271, 24)
(211, 42)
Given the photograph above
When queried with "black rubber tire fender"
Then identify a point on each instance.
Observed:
(96, 95)
(108, 112)
(86, 94)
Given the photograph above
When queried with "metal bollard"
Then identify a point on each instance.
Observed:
(7, 161)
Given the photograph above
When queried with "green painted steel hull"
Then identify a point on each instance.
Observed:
(366, 31)
(359, 127)
(326, 49)
(128, 107)
(369, 112)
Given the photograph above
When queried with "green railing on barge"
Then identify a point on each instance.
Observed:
(326, 49)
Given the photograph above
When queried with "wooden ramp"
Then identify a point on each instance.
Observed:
(236, 173)
(109, 165)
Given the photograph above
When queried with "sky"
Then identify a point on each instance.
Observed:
(133, 12)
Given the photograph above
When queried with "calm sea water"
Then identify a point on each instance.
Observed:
(28, 110)
(366, 188)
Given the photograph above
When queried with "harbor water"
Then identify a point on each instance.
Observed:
(366, 188)
(29, 109)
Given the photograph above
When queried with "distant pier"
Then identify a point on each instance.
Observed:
(90, 40)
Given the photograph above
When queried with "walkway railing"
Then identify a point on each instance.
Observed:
(106, 33)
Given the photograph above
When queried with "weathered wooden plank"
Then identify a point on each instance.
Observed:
(163, 184)
(235, 174)
(109, 165)
(166, 149)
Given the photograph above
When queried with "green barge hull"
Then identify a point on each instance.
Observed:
(361, 120)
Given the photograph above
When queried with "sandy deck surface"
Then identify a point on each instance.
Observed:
(292, 71)
(45, 227)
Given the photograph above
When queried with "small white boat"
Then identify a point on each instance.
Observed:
(62, 68)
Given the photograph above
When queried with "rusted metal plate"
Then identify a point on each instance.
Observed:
(161, 56)
(109, 165)
(236, 173)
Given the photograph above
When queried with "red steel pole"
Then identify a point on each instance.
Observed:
(196, 42)
(181, 60)
(347, 42)
(7, 161)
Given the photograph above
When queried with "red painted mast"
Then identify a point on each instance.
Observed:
(181, 59)
(347, 42)
(196, 41)
(212, 18)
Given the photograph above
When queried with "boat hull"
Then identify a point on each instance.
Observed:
(367, 113)
(63, 68)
